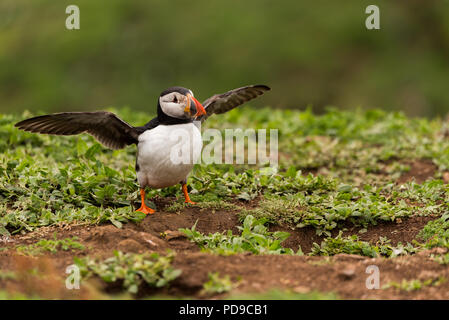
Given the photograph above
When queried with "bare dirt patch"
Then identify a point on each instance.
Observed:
(420, 171)
(403, 230)
(342, 274)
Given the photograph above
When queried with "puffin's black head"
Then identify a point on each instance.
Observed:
(177, 104)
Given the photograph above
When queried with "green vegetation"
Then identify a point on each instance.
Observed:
(51, 246)
(414, 284)
(7, 275)
(284, 295)
(131, 269)
(436, 232)
(217, 284)
(327, 208)
(4, 295)
(48, 180)
(254, 238)
(210, 205)
(352, 245)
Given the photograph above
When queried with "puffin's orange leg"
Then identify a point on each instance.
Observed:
(143, 208)
(186, 194)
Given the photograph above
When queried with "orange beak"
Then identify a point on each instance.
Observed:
(200, 111)
(197, 106)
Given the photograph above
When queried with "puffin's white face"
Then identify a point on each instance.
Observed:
(176, 105)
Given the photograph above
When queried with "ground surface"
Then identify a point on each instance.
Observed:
(321, 190)
(343, 274)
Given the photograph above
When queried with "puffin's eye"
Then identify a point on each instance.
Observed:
(175, 99)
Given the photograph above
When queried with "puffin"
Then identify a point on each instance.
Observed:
(179, 114)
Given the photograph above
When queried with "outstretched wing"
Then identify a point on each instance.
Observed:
(104, 126)
(221, 103)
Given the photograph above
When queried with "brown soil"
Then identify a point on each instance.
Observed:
(420, 171)
(343, 274)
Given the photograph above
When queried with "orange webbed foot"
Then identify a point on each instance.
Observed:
(145, 209)
(186, 194)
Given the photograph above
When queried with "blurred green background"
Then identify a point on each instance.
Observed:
(316, 53)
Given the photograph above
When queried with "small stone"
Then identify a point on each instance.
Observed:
(151, 243)
(347, 274)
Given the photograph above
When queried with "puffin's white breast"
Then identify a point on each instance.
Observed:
(166, 154)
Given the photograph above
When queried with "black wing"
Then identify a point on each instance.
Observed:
(221, 103)
(104, 126)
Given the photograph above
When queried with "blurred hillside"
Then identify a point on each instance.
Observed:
(315, 53)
